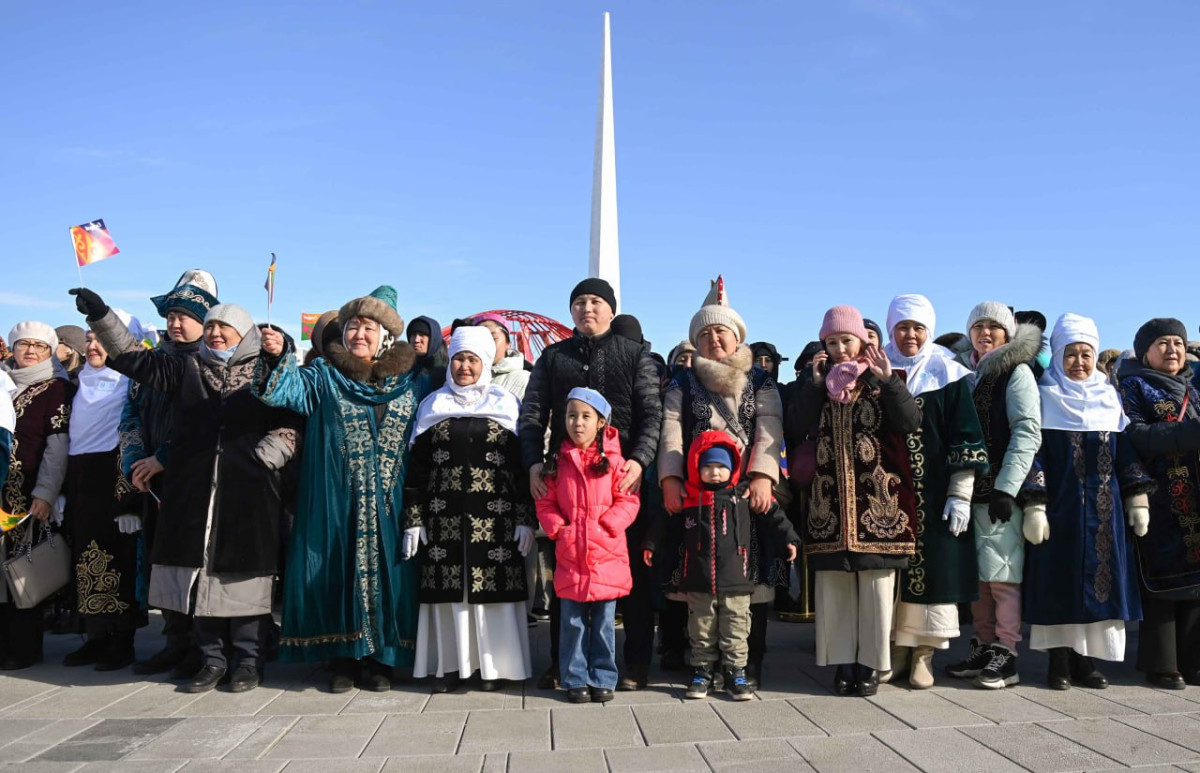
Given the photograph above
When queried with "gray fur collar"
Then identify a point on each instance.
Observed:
(725, 377)
(398, 358)
(1021, 350)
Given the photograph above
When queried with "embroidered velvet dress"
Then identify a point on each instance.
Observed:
(469, 496)
(1081, 583)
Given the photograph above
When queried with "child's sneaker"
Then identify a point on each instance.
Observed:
(1001, 670)
(977, 660)
(738, 686)
(701, 684)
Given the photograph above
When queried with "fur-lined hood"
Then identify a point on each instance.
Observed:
(399, 358)
(1023, 349)
(725, 377)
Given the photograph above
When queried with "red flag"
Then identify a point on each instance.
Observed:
(92, 242)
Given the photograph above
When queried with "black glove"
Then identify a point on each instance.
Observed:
(1001, 507)
(89, 304)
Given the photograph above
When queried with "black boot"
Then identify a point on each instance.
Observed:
(754, 674)
(867, 682)
(344, 671)
(89, 653)
(118, 653)
(163, 660)
(1084, 673)
(1058, 677)
(843, 679)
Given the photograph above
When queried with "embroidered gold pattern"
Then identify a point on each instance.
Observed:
(98, 585)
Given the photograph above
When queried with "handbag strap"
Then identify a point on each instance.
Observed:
(731, 423)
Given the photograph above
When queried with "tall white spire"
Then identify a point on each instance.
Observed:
(604, 255)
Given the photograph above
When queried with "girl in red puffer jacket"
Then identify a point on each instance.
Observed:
(586, 515)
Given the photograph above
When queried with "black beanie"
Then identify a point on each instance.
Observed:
(627, 326)
(1156, 328)
(873, 325)
(596, 286)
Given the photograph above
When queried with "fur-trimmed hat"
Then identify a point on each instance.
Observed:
(380, 306)
(318, 338)
(716, 311)
(194, 294)
(33, 330)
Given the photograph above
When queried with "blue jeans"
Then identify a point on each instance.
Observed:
(587, 655)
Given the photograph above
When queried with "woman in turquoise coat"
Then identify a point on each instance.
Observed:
(348, 597)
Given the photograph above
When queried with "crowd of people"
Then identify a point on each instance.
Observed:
(400, 500)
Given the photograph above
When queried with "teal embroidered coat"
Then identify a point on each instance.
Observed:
(943, 569)
(347, 594)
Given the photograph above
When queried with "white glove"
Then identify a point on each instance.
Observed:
(408, 543)
(129, 524)
(1139, 520)
(1037, 527)
(525, 539)
(958, 513)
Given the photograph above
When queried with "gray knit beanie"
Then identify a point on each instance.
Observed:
(233, 315)
(997, 312)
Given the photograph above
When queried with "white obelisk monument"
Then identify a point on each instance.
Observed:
(604, 256)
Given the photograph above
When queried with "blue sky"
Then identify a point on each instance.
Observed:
(815, 153)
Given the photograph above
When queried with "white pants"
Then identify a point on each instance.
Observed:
(926, 625)
(1104, 640)
(854, 617)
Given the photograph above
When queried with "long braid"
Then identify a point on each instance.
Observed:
(600, 466)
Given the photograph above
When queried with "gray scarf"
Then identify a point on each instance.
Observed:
(33, 374)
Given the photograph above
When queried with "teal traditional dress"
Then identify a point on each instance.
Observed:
(347, 594)
(945, 455)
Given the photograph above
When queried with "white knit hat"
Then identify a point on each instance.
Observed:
(997, 312)
(34, 331)
(233, 315)
(716, 311)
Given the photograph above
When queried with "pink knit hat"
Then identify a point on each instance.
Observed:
(843, 319)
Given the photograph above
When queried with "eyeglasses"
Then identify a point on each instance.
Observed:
(37, 346)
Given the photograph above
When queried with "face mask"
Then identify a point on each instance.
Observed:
(224, 355)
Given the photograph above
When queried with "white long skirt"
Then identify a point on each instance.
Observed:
(926, 625)
(490, 638)
(1104, 640)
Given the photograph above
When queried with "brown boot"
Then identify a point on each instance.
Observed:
(921, 677)
(634, 678)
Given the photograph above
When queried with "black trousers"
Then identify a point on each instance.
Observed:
(1169, 636)
(20, 633)
(759, 613)
(178, 629)
(218, 637)
(672, 624)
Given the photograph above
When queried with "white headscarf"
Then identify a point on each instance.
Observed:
(1078, 406)
(96, 409)
(479, 400)
(8, 415)
(933, 366)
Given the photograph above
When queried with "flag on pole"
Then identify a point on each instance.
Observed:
(307, 323)
(92, 242)
(269, 286)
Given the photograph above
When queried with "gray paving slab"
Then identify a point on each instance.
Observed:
(199, 738)
(234, 766)
(417, 734)
(925, 708)
(465, 700)
(404, 701)
(16, 729)
(80, 701)
(592, 726)
(1123, 743)
(496, 731)
(1076, 702)
(849, 754)
(262, 739)
(15, 692)
(124, 766)
(1182, 729)
(157, 700)
(462, 763)
(53, 732)
(1001, 706)
(496, 762)
(334, 766)
(1149, 700)
(758, 756)
(109, 739)
(945, 750)
(1192, 766)
(326, 737)
(765, 719)
(1036, 748)
(574, 760)
(41, 767)
(220, 703)
(688, 723)
(846, 715)
(668, 758)
(306, 700)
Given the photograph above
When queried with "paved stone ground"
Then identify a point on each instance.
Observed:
(59, 719)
